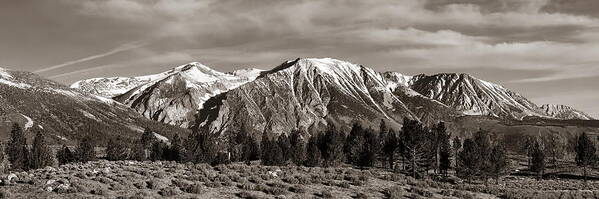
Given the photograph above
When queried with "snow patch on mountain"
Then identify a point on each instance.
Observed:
(8, 79)
(249, 73)
(161, 137)
(29, 122)
(89, 115)
(15, 84)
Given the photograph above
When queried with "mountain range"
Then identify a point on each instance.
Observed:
(306, 94)
(309, 93)
(67, 114)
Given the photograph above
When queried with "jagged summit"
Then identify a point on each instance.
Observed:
(177, 96)
(314, 92)
(564, 112)
(474, 96)
(64, 113)
(173, 96)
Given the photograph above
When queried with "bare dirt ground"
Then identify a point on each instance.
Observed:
(131, 179)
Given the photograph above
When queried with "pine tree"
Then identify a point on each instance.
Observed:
(17, 149)
(382, 135)
(251, 150)
(557, 147)
(144, 144)
(390, 145)
(585, 153)
(157, 152)
(201, 147)
(176, 150)
(473, 160)
(65, 155)
(285, 146)
(353, 144)
(468, 160)
(298, 148)
(117, 149)
(86, 150)
(138, 152)
(456, 145)
(368, 150)
(313, 157)
(538, 159)
(417, 147)
(527, 148)
(40, 154)
(272, 154)
(147, 139)
(444, 149)
(331, 147)
(499, 161)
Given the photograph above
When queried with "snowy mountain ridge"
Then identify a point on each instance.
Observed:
(177, 96)
(564, 112)
(171, 97)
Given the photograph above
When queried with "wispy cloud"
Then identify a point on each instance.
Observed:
(121, 48)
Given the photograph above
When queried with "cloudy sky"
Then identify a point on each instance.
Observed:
(548, 50)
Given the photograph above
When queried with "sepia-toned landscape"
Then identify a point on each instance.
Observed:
(299, 99)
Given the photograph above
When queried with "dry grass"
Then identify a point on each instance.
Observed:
(130, 179)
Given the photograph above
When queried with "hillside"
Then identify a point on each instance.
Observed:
(67, 114)
(309, 94)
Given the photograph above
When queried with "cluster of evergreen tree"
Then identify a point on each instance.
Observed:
(418, 148)
(85, 151)
(21, 157)
(482, 157)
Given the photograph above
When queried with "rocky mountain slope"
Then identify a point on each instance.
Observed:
(172, 97)
(564, 112)
(308, 85)
(66, 114)
(473, 96)
(308, 94)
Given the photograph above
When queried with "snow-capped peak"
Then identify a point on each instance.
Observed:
(559, 111)
(330, 65)
(395, 78)
(4, 73)
(249, 73)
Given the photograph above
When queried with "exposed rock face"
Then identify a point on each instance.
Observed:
(172, 97)
(308, 94)
(176, 98)
(473, 96)
(564, 112)
(65, 114)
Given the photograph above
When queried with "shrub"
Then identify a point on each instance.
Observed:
(463, 194)
(213, 184)
(248, 195)
(361, 196)
(395, 192)
(291, 180)
(246, 186)
(5, 193)
(303, 179)
(327, 194)
(168, 191)
(194, 189)
(297, 189)
(421, 192)
(343, 184)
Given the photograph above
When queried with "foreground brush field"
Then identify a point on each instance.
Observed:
(130, 179)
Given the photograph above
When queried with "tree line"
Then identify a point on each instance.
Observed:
(415, 149)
